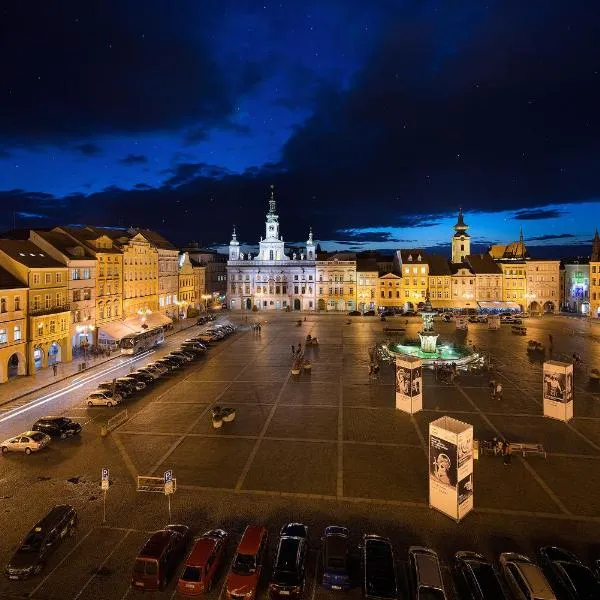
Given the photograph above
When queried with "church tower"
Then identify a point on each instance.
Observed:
(595, 257)
(234, 247)
(272, 248)
(310, 246)
(461, 240)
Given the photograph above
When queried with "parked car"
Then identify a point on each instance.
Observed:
(123, 389)
(187, 355)
(335, 552)
(103, 398)
(524, 578)
(379, 568)
(247, 565)
(137, 385)
(476, 577)
(142, 376)
(410, 313)
(425, 575)
(159, 557)
(195, 347)
(180, 356)
(202, 565)
(289, 568)
(171, 362)
(568, 574)
(60, 427)
(157, 367)
(166, 365)
(28, 442)
(369, 313)
(34, 549)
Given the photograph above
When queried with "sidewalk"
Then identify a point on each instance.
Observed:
(24, 385)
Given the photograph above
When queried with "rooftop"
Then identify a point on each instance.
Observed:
(8, 281)
(65, 244)
(28, 254)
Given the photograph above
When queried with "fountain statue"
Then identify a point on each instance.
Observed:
(427, 335)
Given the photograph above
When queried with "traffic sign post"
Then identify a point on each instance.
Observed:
(104, 485)
(169, 488)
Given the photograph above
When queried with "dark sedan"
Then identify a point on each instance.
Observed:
(569, 574)
(336, 549)
(60, 427)
(476, 578)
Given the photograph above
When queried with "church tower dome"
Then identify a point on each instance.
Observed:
(461, 240)
(234, 246)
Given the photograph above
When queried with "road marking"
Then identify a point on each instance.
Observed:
(314, 587)
(102, 564)
(64, 558)
(527, 466)
(340, 443)
(420, 434)
(125, 456)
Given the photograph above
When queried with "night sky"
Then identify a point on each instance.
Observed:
(374, 120)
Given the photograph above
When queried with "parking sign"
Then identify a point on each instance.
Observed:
(168, 476)
(104, 474)
(104, 483)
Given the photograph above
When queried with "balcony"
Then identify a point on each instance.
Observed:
(38, 312)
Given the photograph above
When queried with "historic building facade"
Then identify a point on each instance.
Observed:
(13, 326)
(48, 308)
(595, 277)
(271, 280)
(575, 286)
(81, 265)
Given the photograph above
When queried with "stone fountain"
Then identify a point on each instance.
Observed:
(427, 334)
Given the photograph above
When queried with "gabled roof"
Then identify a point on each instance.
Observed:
(512, 250)
(28, 254)
(412, 256)
(157, 240)
(66, 245)
(87, 236)
(438, 265)
(482, 264)
(456, 267)
(8, 281)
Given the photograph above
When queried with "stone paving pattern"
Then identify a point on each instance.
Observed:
(319, 448)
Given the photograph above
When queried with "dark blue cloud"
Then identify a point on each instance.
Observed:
(89, 149)
(538, 213)
(133, 159)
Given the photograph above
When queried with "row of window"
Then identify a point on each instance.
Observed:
(167, 300)
(50, 328)
(81, 274)
(4, 304)
(48, 278)
(108, 311)
(84, 294)
(17, 335)
(37, 301)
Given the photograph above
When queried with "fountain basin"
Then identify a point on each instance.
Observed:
(444, 353)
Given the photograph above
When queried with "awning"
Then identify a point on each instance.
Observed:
(115, 330)
(157, 320)
(496, 305)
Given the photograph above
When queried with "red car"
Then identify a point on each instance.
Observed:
(202, 564)
(247, 565)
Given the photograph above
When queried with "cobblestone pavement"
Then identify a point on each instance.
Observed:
(322, 448)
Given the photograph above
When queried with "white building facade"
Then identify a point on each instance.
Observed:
(271, 280)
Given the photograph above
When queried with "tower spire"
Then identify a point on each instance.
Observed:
(595, 257)
(272, 201)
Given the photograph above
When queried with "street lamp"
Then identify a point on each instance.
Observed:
(180, 304)
(206, 298)
(83, 330)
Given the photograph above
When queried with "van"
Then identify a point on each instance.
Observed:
(159, 557)
(34, 549)
(247, 565)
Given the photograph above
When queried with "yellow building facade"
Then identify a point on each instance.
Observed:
(595, 278)
(186, 290)
(367, 282)
(390, 291)
(48, 308)
(13, 326)
(336, 284)
(415, 277)
(109, 273)
(514, 282)
(140, 277)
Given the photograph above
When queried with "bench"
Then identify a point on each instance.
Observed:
(394, 329)
(528, 448)
(486, 447)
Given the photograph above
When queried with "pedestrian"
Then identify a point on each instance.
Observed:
(495, 445)
(299, 349)
(550, 342)
(55, 369)
(498, 391)
(492, 385)
(293, 350)
(506, 453)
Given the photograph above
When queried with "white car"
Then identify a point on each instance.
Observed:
(28, 442)
(102, 398)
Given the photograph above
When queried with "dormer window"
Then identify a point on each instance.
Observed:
(410, 257)
(419, 258)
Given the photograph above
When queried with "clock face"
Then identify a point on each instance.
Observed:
(271, 228)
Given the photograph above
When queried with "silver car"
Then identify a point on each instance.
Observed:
(525, 579)
(28, 442)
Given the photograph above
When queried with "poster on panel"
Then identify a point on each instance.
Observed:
(494, 322)
(409, 384)
(558, 390)
(461, 322)
(451, 467)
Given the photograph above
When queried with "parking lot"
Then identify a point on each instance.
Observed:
(323, 448)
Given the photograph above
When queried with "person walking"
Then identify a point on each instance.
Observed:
(293, 350)
(498, 391)
(550, 343)
(506, 453)
(299, 348)
(55, 369)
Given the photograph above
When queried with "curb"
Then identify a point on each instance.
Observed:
(78, 373)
